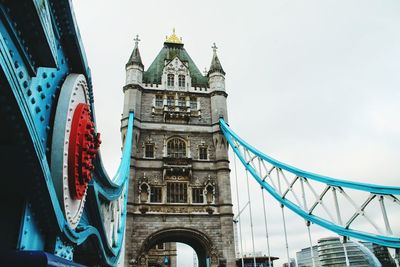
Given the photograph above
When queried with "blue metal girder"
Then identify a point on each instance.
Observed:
(40, 45)
(388, 241)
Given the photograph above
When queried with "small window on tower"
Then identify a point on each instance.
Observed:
(155, 194)
(197, 195)
(181, 102)
(176, 192)
(160, 246)
(159, 101)
(170, 80)
(193, 103)
(149, 151)
(203, 153)
(176, 148)
(170, 101)
(181, 80)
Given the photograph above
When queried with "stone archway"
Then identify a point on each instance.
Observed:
(199, 241)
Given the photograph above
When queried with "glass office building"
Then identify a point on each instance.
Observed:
(332, 252)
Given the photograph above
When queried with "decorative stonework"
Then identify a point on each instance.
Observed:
(186, 184)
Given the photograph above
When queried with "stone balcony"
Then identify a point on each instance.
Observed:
(173, 166)
(175, 112)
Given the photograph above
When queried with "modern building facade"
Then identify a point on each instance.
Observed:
(261, 261)
(305, 257)
(381, 253)
(292, 263)
(332, 252)
(180, 187)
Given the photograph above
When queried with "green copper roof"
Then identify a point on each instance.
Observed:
(169, 52)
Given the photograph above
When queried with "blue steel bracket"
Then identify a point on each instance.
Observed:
(281, 181)
(63, 249)
(40, 46)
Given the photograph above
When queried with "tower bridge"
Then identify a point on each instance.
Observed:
(61, 208)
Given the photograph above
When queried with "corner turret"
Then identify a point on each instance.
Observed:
(216, 74)
(134, 67)
(216, 81)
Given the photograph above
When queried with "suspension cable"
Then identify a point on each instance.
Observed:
(283, 218)
(344, 241)
(265, 218)
(266, 227)
(311, 246)
(284, 229)
(251, 219)
(307, 222)
(238, 210)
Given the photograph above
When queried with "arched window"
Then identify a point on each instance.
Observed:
(170, 80)
(181, 80)
(176, 148)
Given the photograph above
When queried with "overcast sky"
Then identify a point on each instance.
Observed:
(315, 84)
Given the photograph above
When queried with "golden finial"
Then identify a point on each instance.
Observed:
(173, 38)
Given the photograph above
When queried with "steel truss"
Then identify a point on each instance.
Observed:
(347, 208)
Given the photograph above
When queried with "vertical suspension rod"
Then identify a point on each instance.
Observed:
(303, 194)
(283, 218)
(265, 217)
(346, 256)
(251, 219)
(238, 210)
(311, 246)
(286, 240)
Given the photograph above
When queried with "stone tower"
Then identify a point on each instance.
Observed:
(180, 187)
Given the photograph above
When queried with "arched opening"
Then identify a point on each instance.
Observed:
(186, 256)
(197, 240)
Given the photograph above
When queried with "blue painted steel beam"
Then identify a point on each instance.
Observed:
(387, 241)
(37, 51)
(372, 188)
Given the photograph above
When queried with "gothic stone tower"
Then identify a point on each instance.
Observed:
(180, 187)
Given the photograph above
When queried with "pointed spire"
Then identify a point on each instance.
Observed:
(215, 63)
(135, 56)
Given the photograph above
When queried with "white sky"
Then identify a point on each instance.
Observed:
(312, 83)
